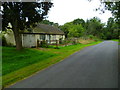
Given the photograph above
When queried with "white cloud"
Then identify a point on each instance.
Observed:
(68, 10)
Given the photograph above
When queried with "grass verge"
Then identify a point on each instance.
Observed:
(116, 40)
(18, 65)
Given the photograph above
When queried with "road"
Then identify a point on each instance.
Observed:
(93, 67)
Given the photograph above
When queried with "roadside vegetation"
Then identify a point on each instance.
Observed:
(18, 65)
(116, 40)
(92, 28)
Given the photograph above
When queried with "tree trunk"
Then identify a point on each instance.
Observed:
(17, 36)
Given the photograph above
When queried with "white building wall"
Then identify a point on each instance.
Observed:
(37, 38)
(28, 40)
(63, 37)
(10, 38)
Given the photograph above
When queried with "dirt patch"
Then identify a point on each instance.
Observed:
(86, 41)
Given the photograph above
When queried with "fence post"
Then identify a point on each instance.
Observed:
(56, 43)
(47, 43)
(37, 43)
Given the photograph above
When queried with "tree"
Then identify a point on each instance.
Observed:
(46, 22)
(50, 23)
(73, 29)
(76, 31)
(65, 28)
(111, 31)
(23, 15)
(79, 21)
(94, 27)
(114, 7)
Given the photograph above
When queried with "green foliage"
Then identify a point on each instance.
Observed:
(117, 40)
(114, 7)
(19, 11)
(79, 21)
(65, 28)
(73, 29)
(111, 30)
(92, 28)
(23, 15)
(43, 44)
(76, 31)
(46, 22)
(49, 23)
(18, 65)
(91, 36)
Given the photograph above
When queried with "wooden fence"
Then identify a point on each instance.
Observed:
(66, 42)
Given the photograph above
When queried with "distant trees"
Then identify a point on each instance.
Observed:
(49, 23)
(91, 28)
(80, 28)
(46, 22)
(76, 31)
(74, 28)
(79, 21)
(114, 7)
(94, 27)
(65, 28)
(111, 29)
(22, 15)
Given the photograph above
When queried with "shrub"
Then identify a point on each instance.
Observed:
(43, 44)
(91, 36)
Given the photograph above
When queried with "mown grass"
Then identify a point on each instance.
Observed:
(14, 60)
(18, 65)
(115, 40)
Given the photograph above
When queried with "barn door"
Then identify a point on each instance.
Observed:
(32, 40)
(48, 39)
(28, 40)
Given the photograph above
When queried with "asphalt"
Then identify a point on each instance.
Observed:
(93, 67)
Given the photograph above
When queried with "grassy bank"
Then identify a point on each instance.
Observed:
(18, 65)
(115, 40)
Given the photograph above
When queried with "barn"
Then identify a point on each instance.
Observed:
(35, 36)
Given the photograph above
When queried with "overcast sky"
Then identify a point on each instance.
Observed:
(68, 10)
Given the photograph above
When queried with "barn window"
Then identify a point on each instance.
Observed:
(54, 37)
(42, 37)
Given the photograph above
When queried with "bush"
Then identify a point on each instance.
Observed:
(91, 36)
(43, 44)
(66, 41)
(74, 41)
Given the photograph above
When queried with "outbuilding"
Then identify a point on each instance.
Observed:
(42, 32)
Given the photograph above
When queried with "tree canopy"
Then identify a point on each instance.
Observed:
(92, 27)
(74, 28)
(49, 23)
(23, 15)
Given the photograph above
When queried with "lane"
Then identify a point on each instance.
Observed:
(93, 67)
